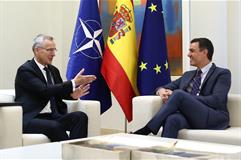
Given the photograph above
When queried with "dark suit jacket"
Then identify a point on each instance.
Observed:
(32, 90)
(214, 89)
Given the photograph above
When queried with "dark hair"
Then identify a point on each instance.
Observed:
(205, 43)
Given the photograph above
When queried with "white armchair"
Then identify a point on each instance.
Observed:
(145, 107)
(11, 121)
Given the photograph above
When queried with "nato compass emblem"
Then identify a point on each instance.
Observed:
(88, 39)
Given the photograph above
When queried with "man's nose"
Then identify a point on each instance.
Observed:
(189, 54)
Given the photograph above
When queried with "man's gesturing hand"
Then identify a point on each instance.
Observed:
(80, 91)
(81, 79)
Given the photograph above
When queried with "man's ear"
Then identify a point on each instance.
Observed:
(36, 49)
(205, 51)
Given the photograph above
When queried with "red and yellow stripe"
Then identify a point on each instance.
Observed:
(119, 65)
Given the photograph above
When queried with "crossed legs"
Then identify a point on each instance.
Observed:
(181, 110)
(173, 124)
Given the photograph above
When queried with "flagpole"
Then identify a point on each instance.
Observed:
(126, 125)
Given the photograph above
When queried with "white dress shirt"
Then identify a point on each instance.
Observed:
(47, 108)
(205, 70)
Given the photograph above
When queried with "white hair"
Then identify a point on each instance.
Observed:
(38, 40)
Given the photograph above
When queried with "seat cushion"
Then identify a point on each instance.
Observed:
(30, 139)
(6, 98)
(231, 135)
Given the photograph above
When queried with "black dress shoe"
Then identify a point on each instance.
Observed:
(143, 131)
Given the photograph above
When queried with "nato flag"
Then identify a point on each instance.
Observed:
(153, 68)
(86, 52)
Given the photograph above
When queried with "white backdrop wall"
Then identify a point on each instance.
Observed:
(21, 20)
(220, 21)
(209, 19)
(234, 44)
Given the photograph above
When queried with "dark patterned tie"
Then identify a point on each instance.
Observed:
(52, 99)
(196, 83)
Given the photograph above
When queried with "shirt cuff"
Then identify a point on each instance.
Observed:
(73, 84)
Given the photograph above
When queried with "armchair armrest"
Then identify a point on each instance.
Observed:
(144, 108)
(234, 108)
(6, 97)
(92, 109)
(10, 126)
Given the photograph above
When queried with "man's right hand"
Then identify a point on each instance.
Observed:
(81, 79)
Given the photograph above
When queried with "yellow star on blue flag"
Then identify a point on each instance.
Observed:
(153, 49)
(143, 66)
(157, 69)
(152, 7)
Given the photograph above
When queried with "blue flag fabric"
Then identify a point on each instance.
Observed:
(86, 52)
(153, 68)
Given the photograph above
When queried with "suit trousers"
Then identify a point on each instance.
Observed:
(182, 110)
(55, 127)
(173, 124)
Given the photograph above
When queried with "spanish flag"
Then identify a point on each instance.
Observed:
(119, 65)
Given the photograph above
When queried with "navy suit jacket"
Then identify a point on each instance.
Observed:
(33, 92)
(213, 93)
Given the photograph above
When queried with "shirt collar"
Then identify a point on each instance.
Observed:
(39, 65)
(206, 68)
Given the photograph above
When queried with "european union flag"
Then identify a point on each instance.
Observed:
(153, 68)
(86, 52)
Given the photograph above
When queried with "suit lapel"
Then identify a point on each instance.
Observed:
(38, 71)
(190, 78)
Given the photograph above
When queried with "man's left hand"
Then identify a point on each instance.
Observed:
(80, 91)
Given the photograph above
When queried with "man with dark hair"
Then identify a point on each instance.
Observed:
(197, 100)
(40, 88)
